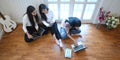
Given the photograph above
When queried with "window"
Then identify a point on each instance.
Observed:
(55, 9)
(78, 9)
(52, 0)
(91, 0)
(79, 0)
(64, 0)
(89, 11)
(83, 9)
(64, 11)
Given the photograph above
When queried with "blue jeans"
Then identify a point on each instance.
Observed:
(74, 31)
(63, 32)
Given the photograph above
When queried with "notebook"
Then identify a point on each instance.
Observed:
(68, 53)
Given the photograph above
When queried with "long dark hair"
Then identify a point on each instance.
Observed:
(30, 9)
(41, 7)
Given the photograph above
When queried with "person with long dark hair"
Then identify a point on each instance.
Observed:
(48, 17)
(31, 26)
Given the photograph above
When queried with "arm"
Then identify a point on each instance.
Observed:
(50, 17)
(25, 19)
(75, 42)
(45, 23)
(71, 37)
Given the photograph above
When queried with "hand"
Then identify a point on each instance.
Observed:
(75, 43)
(29, 36)
(51, 23)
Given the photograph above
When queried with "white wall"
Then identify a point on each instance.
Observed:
(16, 8)
(109, 5)
(113, 6)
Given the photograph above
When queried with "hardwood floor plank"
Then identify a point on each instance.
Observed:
(102, 44)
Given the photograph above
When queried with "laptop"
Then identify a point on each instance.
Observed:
(80, 46)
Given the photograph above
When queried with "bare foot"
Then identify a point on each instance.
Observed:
(61, 44)
(57, 42)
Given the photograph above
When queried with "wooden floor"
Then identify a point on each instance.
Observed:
(102, 44)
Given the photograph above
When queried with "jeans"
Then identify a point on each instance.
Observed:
(54, 30)
(74, 31)
(63, 32)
